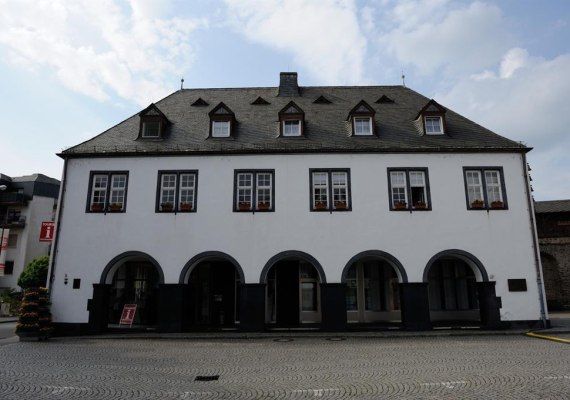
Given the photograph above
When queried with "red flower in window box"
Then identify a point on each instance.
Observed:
(400, 205)
(420, 205)
(320, 205)
(166, 207)
(478, 204)
(115, 207)
(244, 206)
(263, 205)
(185, 206)
(97, 207)
(497, 204)
(340, 205)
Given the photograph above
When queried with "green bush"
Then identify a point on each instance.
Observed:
(35, 273)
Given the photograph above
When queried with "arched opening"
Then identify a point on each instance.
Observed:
(372, 281)
(213, 280)
(293, 293)
(452, 286)
(133, 278)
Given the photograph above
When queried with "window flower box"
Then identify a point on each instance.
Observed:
(340, 205)
(497, 204)
(263, 205)
(244, 206)
(115, 207)
(320, 205)
(185, 206)
(400, 205)
(478, 204)
(166, 207)
(97, 207)
(420, 205)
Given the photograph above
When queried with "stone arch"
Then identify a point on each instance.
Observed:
(116, 262)
(295, 254)
(377, 254)
(209, 255)
(477, 266)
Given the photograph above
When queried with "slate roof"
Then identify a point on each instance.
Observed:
(326, 126)
(553, 206)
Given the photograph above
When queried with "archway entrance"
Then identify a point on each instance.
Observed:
(213, 296)
(293, 294)
(134, 282)
(372, 292)
(453, 296)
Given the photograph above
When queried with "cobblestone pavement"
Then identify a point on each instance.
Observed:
(497, 367)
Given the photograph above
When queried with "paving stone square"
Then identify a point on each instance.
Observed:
(442, 367)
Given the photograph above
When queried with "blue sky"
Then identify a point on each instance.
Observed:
(71, 69)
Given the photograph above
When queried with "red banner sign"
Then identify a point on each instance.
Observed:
(128, 315)
(46, 232)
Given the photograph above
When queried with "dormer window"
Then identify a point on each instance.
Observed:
(291, 121)
(153, 123)
(220, 128)
(433, 125)
(431, 119)
(361, 118)
(292, 127)
(222, 122)
(151, 129)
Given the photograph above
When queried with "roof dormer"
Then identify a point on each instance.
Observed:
(431, 119)
(222, 122)
(153, 123)
(291, 121)
(361, 118)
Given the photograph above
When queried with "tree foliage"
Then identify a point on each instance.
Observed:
(35, 273)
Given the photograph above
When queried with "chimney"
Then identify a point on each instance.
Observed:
(288, 86)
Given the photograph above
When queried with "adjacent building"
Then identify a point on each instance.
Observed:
(25, 202)
(316, 207)
(553, 225)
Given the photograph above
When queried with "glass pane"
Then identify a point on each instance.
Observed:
(309, 296)
(220, 128)
(291, 128)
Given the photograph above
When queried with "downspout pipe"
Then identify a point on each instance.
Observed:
(60, 206)
(538, 264)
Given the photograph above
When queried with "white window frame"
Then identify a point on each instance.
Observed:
(291, 127)
(330, 190)
(433, 118)
(146, 130)
(221, 128)
(173, 192)
(367, 121)
(251, 192)
(108, 190)
(400, 186)
(491, 182)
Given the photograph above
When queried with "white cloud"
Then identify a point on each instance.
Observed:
(102, 48)
(324, 37)
(514, 59)
(432, 35)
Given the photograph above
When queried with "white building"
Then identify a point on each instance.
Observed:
(25, 203)
(327, 207)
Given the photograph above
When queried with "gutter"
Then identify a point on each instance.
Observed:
(536, 251)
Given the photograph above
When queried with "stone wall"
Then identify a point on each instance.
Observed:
(555, 257)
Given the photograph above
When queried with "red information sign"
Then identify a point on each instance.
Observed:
(128, 315)
(46, 232)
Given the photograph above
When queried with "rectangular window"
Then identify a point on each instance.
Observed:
(8, 267)
(433, 126)
(485, 188)
(409, 189)
(362, 126)
(220, 128)
(291, 127)
(107, 191)
(177, 191)
(330, 190)
(12, 240)
(254, 190)
(151, 129)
